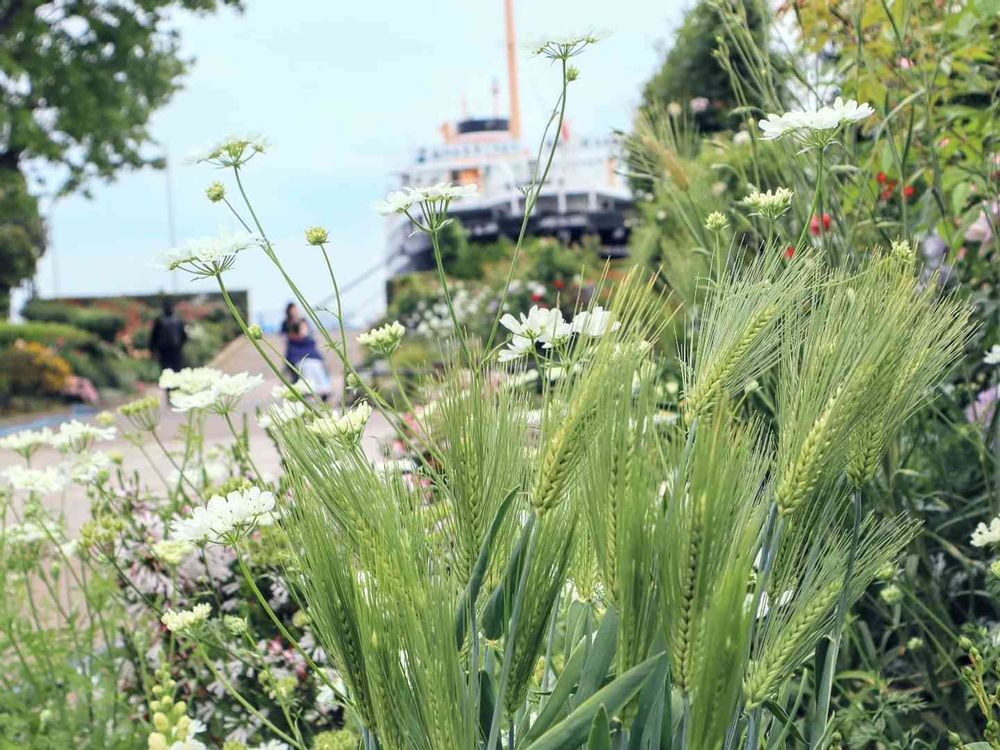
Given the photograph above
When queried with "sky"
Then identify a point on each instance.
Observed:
(344, 92)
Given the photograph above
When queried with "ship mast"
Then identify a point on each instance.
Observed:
(512, 84)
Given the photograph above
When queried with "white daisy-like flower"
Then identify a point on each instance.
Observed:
(770, 205)
(541, 325)
(396, 202)
(815, 126)
(444, 191)
(186, 619)
(992, 357)
(384, 339)
(26, 442)
(231, 388)
(594, 322)
(208, 256)
(225, 518)
(39, 481)
(984, 535)
(347, 427)
(76, 437)
(279, 413)
(516, 348)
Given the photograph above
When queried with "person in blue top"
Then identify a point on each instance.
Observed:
(303, 355)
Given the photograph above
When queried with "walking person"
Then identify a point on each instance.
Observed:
(167, 338)
(304, 360)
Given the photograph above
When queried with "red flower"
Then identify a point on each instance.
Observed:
(909, 191)
(559, 284)
(882, 178)
(790, 252)
(814, 224)
(537, 297)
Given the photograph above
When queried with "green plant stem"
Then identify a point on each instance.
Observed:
(435, 228)
(244, 702)
(243, 446)
(825, 686)
(511, 637)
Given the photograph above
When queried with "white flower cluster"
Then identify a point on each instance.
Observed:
(89, 467)
(984, 535)
(384, 339)
(26, 442)
(39, 481)
(225, 518)
(234, 151)
(770, 205)
(278, 414)
(207, 388)
(186, 619)
(547, 327)
(992, 356)
(172, 551)
(208, 256)
(76, 437)
(346, 428)
(401, 201)
(815, 126)
(30, 532)
(431, 317)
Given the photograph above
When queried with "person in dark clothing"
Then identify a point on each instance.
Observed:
(167, 338)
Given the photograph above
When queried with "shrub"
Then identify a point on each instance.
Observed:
(50, 334)
(105, 325)
(33, 369)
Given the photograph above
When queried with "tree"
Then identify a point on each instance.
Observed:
(690, 70)
(79, 80)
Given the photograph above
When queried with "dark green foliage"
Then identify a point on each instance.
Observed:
(105, 325)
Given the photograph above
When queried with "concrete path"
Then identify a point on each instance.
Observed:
(238, 356)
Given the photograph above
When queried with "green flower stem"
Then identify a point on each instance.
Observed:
(345, 355)
(242, 442)
(511, 637)
(815, 202)
(183, 478)
(321, 673)
(434, 222)
(825, 686)
(530, 198)
(244, 702)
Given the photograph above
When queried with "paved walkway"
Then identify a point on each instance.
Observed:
(238, 356)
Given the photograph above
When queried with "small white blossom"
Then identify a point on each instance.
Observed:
(385, 339)
(770, 205)
(89, 467)
(984, 534)
(76, 437)
(26, 442)
(541, 325)
(594, 322)
(812, 126)
(41, 481)
(181, 401)
(234, 151)
(190, 379)
(184, 620)
(280, 413)
(208, 256)
(992, 356)
(347, 427)
(225, 517)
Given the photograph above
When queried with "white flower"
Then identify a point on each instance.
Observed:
(280, 413)
(396, 202)
(224, 517)
(229, 389)
(348, 427)
(29, 532)
(208, 256)
(172, 551)
(190, 379)
(188, 744)
(26, 442)
(385, 339)
(541, 325)
(984, 534)
(186, 619)
(234, 151)
(517, 347)
(993, 355)
(78, 436)
(42, 481)
(770, 205)
(282, 391)
(594, 322)
(444, 191)
(809, 125)
(88, 467)
(181, 401)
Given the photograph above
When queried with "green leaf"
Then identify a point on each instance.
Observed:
(495, 615)
(600, 732)
(479, 570)
(560, 693)
(595, 669)
(782, 716)
(572, 730)
(487, 698)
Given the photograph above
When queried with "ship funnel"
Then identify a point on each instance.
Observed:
(512, 83)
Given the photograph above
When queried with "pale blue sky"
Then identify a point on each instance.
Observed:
(344, 92)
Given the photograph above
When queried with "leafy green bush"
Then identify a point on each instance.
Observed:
(50, 334)
(105, 325)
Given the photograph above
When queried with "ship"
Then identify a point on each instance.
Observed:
(583, 196)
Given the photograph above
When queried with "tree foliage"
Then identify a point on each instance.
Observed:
(79, 81)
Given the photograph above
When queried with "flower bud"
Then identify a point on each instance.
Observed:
(716, 221)
(216, 192)
(161, 722)
(317, 236)
(255, 332)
